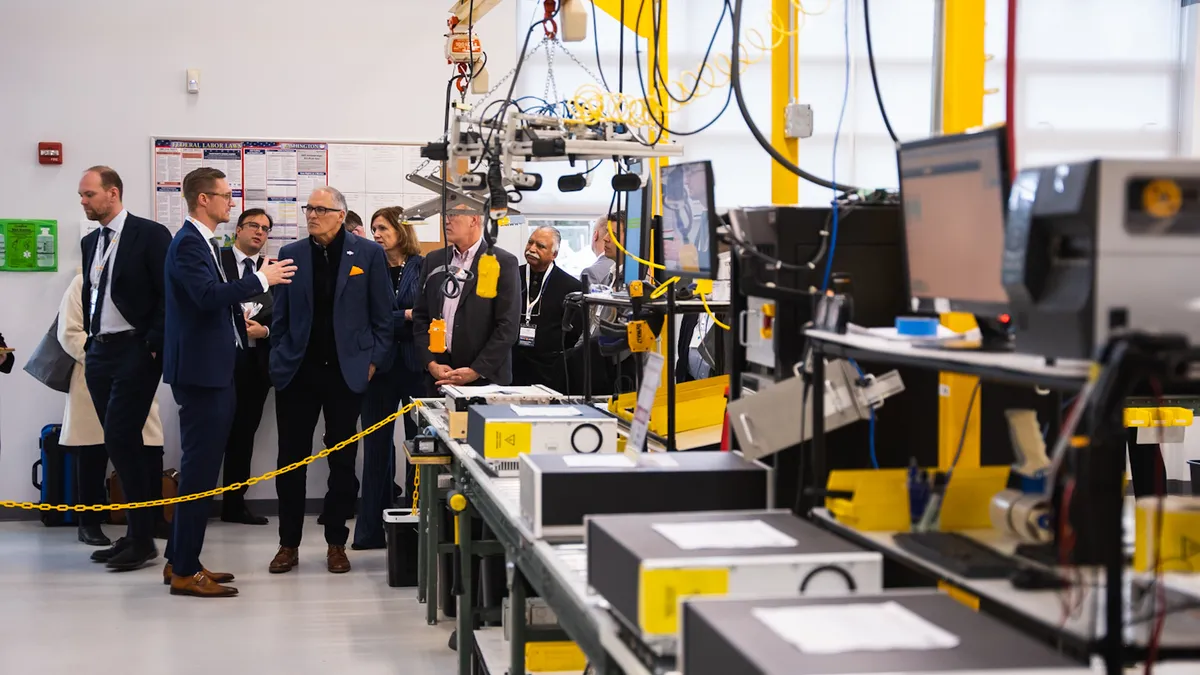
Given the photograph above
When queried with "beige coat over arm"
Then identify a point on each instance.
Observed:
(81, 425)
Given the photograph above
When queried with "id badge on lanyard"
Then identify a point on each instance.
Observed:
(527, 335)
(98, 271)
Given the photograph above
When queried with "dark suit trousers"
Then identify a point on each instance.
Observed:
(316, 389)
(91, 465)
(205, 415)
(386, 393)
(252, 383)
(123, 378)
(535, 366)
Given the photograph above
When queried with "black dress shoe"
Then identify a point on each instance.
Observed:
(244, 517)
(369, 546)
(111, 552)
(453, 643)
(133, 557)
(92, 535)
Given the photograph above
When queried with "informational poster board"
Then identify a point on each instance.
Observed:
(278, 176)
(28, 246)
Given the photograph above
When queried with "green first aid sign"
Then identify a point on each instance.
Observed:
(28, 245)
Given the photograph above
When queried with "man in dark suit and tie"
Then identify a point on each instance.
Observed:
(123, 317)
(331, 331)
(205, 329)
(251, 376)
(480, 332)
(538, 356)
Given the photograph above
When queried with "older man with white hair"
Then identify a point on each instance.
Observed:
(332, 330)
(538, 357)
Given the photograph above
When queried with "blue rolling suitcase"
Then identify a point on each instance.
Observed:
(56, 478)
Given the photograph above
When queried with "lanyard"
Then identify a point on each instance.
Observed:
(528, 291)
(102, 262)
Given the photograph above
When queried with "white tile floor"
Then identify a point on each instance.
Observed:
(61, 613)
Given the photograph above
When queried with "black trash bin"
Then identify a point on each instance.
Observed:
(401, 527)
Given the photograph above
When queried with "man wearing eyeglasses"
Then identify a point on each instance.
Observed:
(331, 331)
(251, 377)
(205, 329)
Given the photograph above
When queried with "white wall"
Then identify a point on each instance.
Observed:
(114, 76)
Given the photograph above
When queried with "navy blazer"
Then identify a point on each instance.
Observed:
(199, 347)
(406, 297)
(362, 313)
(137, 277)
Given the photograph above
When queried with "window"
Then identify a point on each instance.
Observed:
(575, 253)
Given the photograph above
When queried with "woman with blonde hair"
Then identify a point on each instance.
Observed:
(395, 386)
(81, 429)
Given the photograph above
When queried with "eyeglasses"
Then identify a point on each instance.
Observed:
(256, 226)
(319, 210)
(227, 196)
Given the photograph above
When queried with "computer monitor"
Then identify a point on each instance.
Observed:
(688, 221)
(953, 191)
(637, 224)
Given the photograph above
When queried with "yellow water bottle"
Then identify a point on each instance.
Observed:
(437, 336)
(489, 275)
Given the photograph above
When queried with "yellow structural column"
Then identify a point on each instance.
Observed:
(962, 109)
(785, 185)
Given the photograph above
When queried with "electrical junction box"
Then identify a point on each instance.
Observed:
(798, 120)
(644, 565)
(502, 432)
(559, 491)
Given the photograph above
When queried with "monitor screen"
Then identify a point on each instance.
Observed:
(953, 193)
(687, 194)
(634, 214)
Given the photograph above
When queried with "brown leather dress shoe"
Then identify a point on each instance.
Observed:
(201, 586)
(219, 577)
(336, 560)
(285, 560)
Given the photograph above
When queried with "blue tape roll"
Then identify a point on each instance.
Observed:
(916, 326)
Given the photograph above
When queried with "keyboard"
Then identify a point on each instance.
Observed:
(961, 555)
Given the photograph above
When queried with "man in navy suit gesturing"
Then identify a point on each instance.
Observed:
(204, 331)
(332, 329)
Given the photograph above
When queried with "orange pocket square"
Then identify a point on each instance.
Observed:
(355, 271)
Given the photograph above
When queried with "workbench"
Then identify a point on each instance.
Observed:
(557, 572)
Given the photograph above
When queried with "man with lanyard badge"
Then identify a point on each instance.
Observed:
(538, 354)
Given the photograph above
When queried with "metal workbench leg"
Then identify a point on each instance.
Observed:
(516, 623)
(422, 538)
(818, 430)
(433, 537)
(466, 605)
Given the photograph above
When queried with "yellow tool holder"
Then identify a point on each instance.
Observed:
(698, 405)
(880, 498)
(1167, 416)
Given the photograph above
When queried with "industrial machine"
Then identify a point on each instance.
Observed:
(460, 398)
(644, 564)
(559, 491)
(1097, 247)
(502, 432)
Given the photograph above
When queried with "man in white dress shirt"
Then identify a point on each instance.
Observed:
(123, 316)
(251, 377)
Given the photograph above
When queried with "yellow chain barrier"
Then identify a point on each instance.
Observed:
(64, 508)
(416, 488)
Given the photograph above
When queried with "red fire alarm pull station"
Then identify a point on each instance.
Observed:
(50, 153)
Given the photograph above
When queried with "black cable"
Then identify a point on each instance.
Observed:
(596, 43)
(658, 75)
(962, 438)
(621, 53)
(874, 77)
(470, 48)
(662, 127)
(736, 84)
